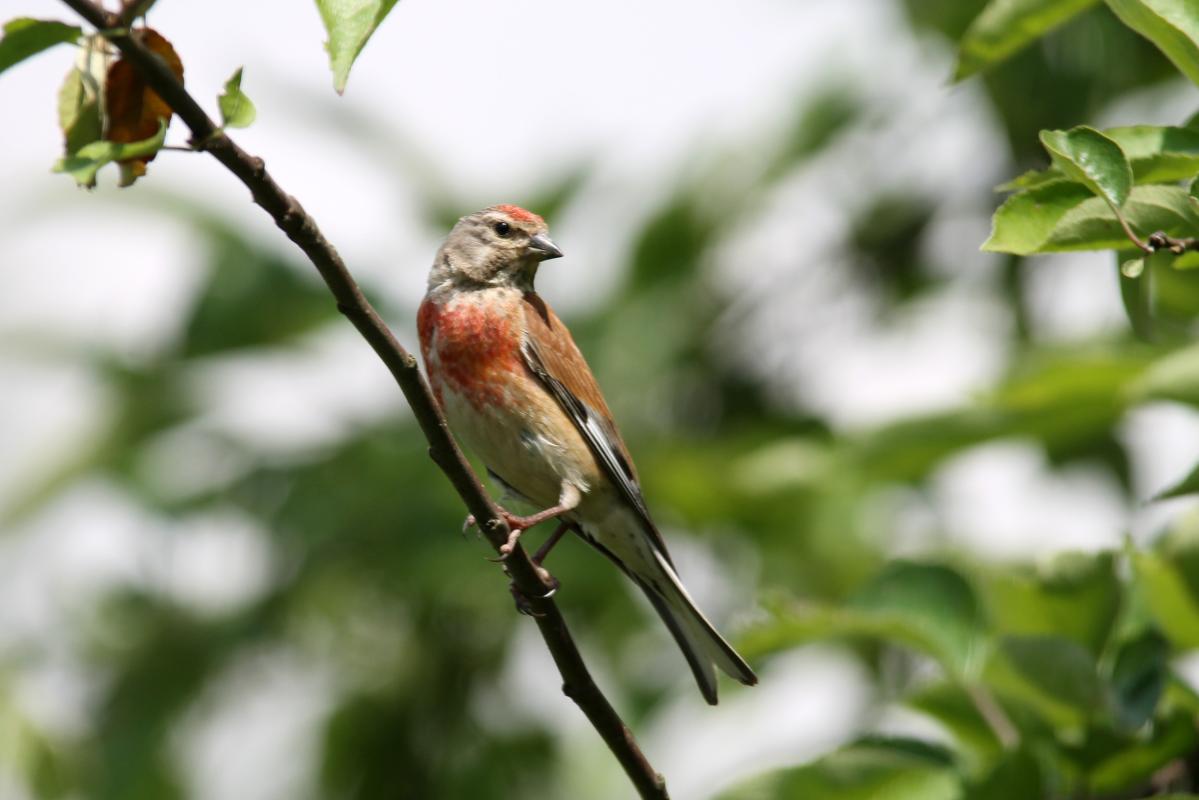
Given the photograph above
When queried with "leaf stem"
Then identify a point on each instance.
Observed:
(1128, 231)
(994, 715)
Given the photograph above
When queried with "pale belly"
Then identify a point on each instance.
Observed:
(534, 448)
(520, 444)
(535, 461)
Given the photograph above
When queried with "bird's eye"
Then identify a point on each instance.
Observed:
(502, 228)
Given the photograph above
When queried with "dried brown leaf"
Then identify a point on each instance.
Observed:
(133, 108)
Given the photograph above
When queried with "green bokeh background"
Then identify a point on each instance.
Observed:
(414, 630)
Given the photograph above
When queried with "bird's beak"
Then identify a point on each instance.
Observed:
(544, 247)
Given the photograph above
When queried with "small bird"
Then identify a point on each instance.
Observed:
(517, 392)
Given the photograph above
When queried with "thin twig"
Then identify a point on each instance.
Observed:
(994, 715)
(132, 10)
(1129, 232)
(1159, 240)
(302, 229)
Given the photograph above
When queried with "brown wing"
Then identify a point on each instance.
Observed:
(550, 353)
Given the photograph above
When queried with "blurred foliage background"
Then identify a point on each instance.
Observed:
(982, 676)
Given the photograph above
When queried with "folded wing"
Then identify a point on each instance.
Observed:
(551, 354)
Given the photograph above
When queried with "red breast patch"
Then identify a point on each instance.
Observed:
(426, 324)
(477, 350)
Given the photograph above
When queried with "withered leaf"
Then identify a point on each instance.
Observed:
(79, 97)
(132, 109)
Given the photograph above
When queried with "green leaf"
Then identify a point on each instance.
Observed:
(1132, 268)
(918, 750)
(1171, 601)
(1060, 397)
(1188, 485)
(1139, 676)
(1076, 596)
(1172, 377)
(671, 242)
(1149, 208)
(1026, 221)
(1132, 765)
(25, 37)
(1057, 666)
(1016, 775)
(252, 298)
(84, 165)
(951, 706)
(928, 608)
(236, 109)
(934, 600)
(1006, 26)
(870, 770)
(1085, 155)
(1174, 300)
(817, 123)
(1061, 217)
(1050, 384)
(350, 24)
(1172, 25)
(1031, 179)
(1157, 154)
(1136, 293)
(909, 449)
(1054, 675)
(78, 113)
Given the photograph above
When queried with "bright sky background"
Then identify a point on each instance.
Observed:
(501, 98)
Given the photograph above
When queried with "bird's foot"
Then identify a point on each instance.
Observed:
(523, 603)
(515, 527)
(555, 537)
(517, 522)
(518, 525)
(510, 544)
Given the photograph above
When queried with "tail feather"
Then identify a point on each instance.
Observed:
(701, 644)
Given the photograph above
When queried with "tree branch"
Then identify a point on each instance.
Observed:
(1160, 241)
(302, 229)
(1156, 241)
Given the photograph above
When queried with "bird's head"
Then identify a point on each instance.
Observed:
(498, 246)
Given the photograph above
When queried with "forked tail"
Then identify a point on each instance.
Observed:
(701, 644)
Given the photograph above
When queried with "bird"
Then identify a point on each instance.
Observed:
(516, 391)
